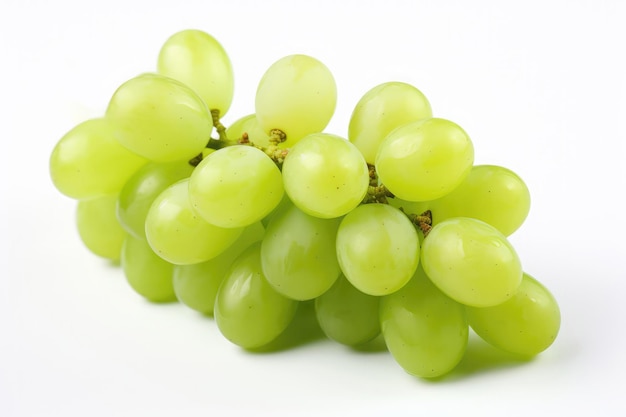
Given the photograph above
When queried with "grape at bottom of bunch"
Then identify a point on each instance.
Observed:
(392, 232)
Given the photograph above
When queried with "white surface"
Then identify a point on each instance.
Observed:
(540, 86)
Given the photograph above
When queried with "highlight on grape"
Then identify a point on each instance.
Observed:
(392, 232)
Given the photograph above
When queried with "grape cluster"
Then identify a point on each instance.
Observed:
(392, 231)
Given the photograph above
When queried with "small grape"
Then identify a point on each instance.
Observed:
(98, 226)
(146, 272)
(89, 162)
(235, 186)
(297, 95)
(471, 262)
(378, 248)
(325, 175)
(425, 330)
(160, 118)
(298, 254)
(248, 311)
(526, 324)
(198, 60)
(424, 160)
(346, 315)
(178, 234)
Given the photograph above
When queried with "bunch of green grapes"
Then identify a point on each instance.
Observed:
(392, 232)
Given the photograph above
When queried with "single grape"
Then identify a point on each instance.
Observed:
(382, 109)
(325, 175)
(250, 126)
(377, 248)
(425, 330)
(424, 160)
(297, 95)
(147, 273)
(526, 324)
(471, 262)
(347, 315)
(98, 226)
(298, 254)
(490, 193)
(248, 311)
(196, 285)
(198, 60)
(178, 234)
(235, 186)
(143, 188)
(89, 162)
(160, 118)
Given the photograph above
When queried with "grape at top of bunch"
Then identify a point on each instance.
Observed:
(392, 232)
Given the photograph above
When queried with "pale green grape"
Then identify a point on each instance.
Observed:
(425, 160)
(142, 188)
(196, 285)
(382, 109)
(248, 311)
(298, 254)
(160, 118)
(178, 234)
(325, 175)
(248, 124)
(89, 162)
(347, 315)
(296, 95)
(98, 227)
(235, 186)
(425, 331)
(526, 324)
(198, 60)
(148, 274)
(378, 248)
(490, 193)
(471, 262)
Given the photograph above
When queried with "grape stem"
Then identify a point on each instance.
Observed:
(423, 221)
(275, 153)
(378, 193)
(221, 130)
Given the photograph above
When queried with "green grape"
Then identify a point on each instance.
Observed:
(490, 193)
(296, 95)
(425, 331)
(148, 274)
(160, 118)
(178, 234)
(98, 227)
(249, 125)
(347, 315)
(141, 190)
(424, 160)
(248, 311)
(382, 109)
(298, 254)
(378, 248)
(471, 262)
(89, 162)
(198, 60)
(325, 175)
(235, 186)
(196, 285)
(526, 324)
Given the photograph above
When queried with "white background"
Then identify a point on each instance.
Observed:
(540, 86)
